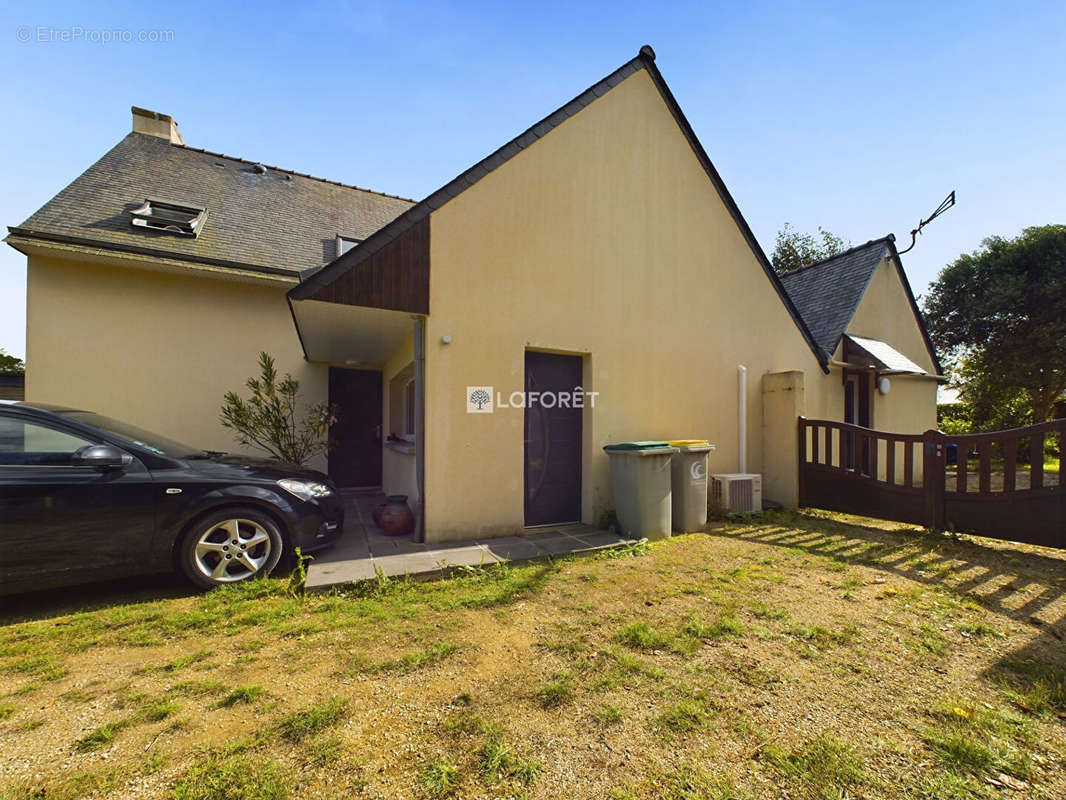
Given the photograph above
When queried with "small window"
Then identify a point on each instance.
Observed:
(401, 399)
(345, 243)
(24, 444)
(161, 215)
(409, 408)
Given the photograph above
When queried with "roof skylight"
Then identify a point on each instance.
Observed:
(162, 215)
(346, 243)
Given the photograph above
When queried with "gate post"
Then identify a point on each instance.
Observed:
(783, 400)
(933, 476)
(1062, 484)
(801, 450)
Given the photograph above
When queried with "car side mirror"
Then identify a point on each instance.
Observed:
(100, 456)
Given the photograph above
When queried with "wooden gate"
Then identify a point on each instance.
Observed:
(911, 478)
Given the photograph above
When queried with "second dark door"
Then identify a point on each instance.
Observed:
(355, 458)
(552, 441)
(857, 412)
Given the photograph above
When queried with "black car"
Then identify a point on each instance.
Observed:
(84, 498)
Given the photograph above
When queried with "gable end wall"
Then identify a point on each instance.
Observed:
(607, 239)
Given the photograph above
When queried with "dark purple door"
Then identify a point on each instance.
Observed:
(552, 440)
(355, 458)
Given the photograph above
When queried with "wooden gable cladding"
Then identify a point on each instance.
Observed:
(394, 277)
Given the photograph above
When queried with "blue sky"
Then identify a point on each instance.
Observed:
(858, 117)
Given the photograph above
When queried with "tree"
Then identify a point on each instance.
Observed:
(999, 314)
(269, 420)
(11, 365)
(793, 249)
(995, 405)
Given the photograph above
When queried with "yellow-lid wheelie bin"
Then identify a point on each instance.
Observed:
(688, 478)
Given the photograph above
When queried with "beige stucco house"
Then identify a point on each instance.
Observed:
(599, 249)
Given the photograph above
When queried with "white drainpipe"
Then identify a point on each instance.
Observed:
(742, 418)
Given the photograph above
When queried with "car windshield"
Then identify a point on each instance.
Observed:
(142, 438)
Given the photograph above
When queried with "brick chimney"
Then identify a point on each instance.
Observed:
(155, 124)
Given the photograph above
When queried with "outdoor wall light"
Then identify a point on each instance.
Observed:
(884, 385)
(446, 339)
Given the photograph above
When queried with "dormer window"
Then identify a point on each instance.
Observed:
(162, 215)
(345, 243)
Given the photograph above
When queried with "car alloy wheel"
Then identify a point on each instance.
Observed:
(231, 547)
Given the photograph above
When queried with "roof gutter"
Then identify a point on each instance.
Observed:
(74, 241)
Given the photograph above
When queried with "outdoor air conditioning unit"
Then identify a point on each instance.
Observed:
(737, 491)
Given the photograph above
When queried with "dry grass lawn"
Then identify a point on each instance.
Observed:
(796, 655)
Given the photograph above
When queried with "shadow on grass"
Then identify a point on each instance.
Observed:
(49, 603)
(135, 599)
(99, 596)
(1023, 582)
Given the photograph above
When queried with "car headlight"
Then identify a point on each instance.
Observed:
(305, 490)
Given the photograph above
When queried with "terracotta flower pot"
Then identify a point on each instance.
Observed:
(376, 513)
(396, 517)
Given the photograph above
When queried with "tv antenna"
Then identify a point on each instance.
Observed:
(949, 201)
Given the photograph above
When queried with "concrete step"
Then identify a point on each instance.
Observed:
(361, 554)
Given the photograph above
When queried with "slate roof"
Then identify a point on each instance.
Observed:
(272, 221)
(827, 293)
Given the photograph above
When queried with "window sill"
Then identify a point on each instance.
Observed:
(406, 448)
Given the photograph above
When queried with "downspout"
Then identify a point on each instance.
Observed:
(742, 418)
(420, 426)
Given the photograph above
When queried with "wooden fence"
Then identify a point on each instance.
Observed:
(909, 478)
